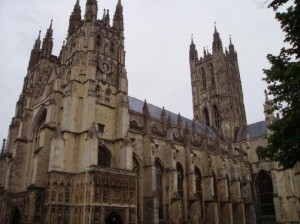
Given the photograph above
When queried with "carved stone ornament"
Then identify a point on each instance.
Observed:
(92, 131)
(105, 67)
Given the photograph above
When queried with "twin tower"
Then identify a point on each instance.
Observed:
(80, 150)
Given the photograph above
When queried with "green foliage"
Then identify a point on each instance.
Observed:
(283, 79)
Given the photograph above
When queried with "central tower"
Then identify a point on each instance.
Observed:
(216, 88)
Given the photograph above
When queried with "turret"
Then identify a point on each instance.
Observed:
(91, 11)
(48, 42)
(75, 18)
(193, 51)
(107, 18)
(269, 116)
(118, 22)
(217, 43)
(35, 51)
(232, 51)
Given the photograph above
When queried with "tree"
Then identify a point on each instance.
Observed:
(283, 79)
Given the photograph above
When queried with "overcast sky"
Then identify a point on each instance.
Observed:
(157, 38)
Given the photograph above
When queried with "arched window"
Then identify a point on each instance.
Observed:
(198, 178)
(260, 153)
(39, 127)
(228, 187)
(203, 76)
(215, 186)
(104, 156)
(107, 96)
(264, 189)
(112, 46)
(212, 74)
(98, 40)
(179, 179)
(137, 170)
(206, 116)
(159, 188)
(217, 117)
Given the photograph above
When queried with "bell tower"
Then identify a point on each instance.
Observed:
(216, 88)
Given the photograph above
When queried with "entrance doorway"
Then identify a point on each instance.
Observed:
(15, 216)
(113, 218)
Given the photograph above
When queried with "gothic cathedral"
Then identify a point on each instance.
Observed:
(81, 151)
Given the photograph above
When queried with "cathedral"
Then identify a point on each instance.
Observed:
(80, 150)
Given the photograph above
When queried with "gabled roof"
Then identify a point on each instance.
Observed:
(136, 105)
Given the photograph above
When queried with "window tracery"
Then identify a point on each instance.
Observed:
(264, 189)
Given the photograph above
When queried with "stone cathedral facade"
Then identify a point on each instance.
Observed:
(80, 150)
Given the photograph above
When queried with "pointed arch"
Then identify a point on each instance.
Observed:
(217, 116)
(137, 169)
(215, 186)
(112, 46)
(260, 153)
(39, 123)
(212, 74)
(203, 77)
(228, 183)
(104, 156)
(15, 216)
(159, 187)
(99, 40)
(180, 176)
(264, 194)
(206, 116)
(198, 182)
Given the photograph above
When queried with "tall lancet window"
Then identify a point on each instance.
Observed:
(203, 77)
(215, 186)
(264, 190)
(137, 170)
(206, 116)
(198, 178)
(38, 131)
(217, 116)
(159, 188)
(212, 74)
(179, 179)
(104, 156)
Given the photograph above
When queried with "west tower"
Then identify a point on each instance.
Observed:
(216, 88)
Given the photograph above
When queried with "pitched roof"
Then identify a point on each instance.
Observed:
(136, 105)
(254, 130)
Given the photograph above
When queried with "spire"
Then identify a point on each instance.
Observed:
(91, 11)
(104, 15)
(193, 50)
(217, 43)
(231, 46)
(107, 18)
(48, 42)
(145, 109)
(179, 121)
(163, 114)
(35, 51)
(204, 52)
(75, 18)
(37, 44)
(118, 22)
